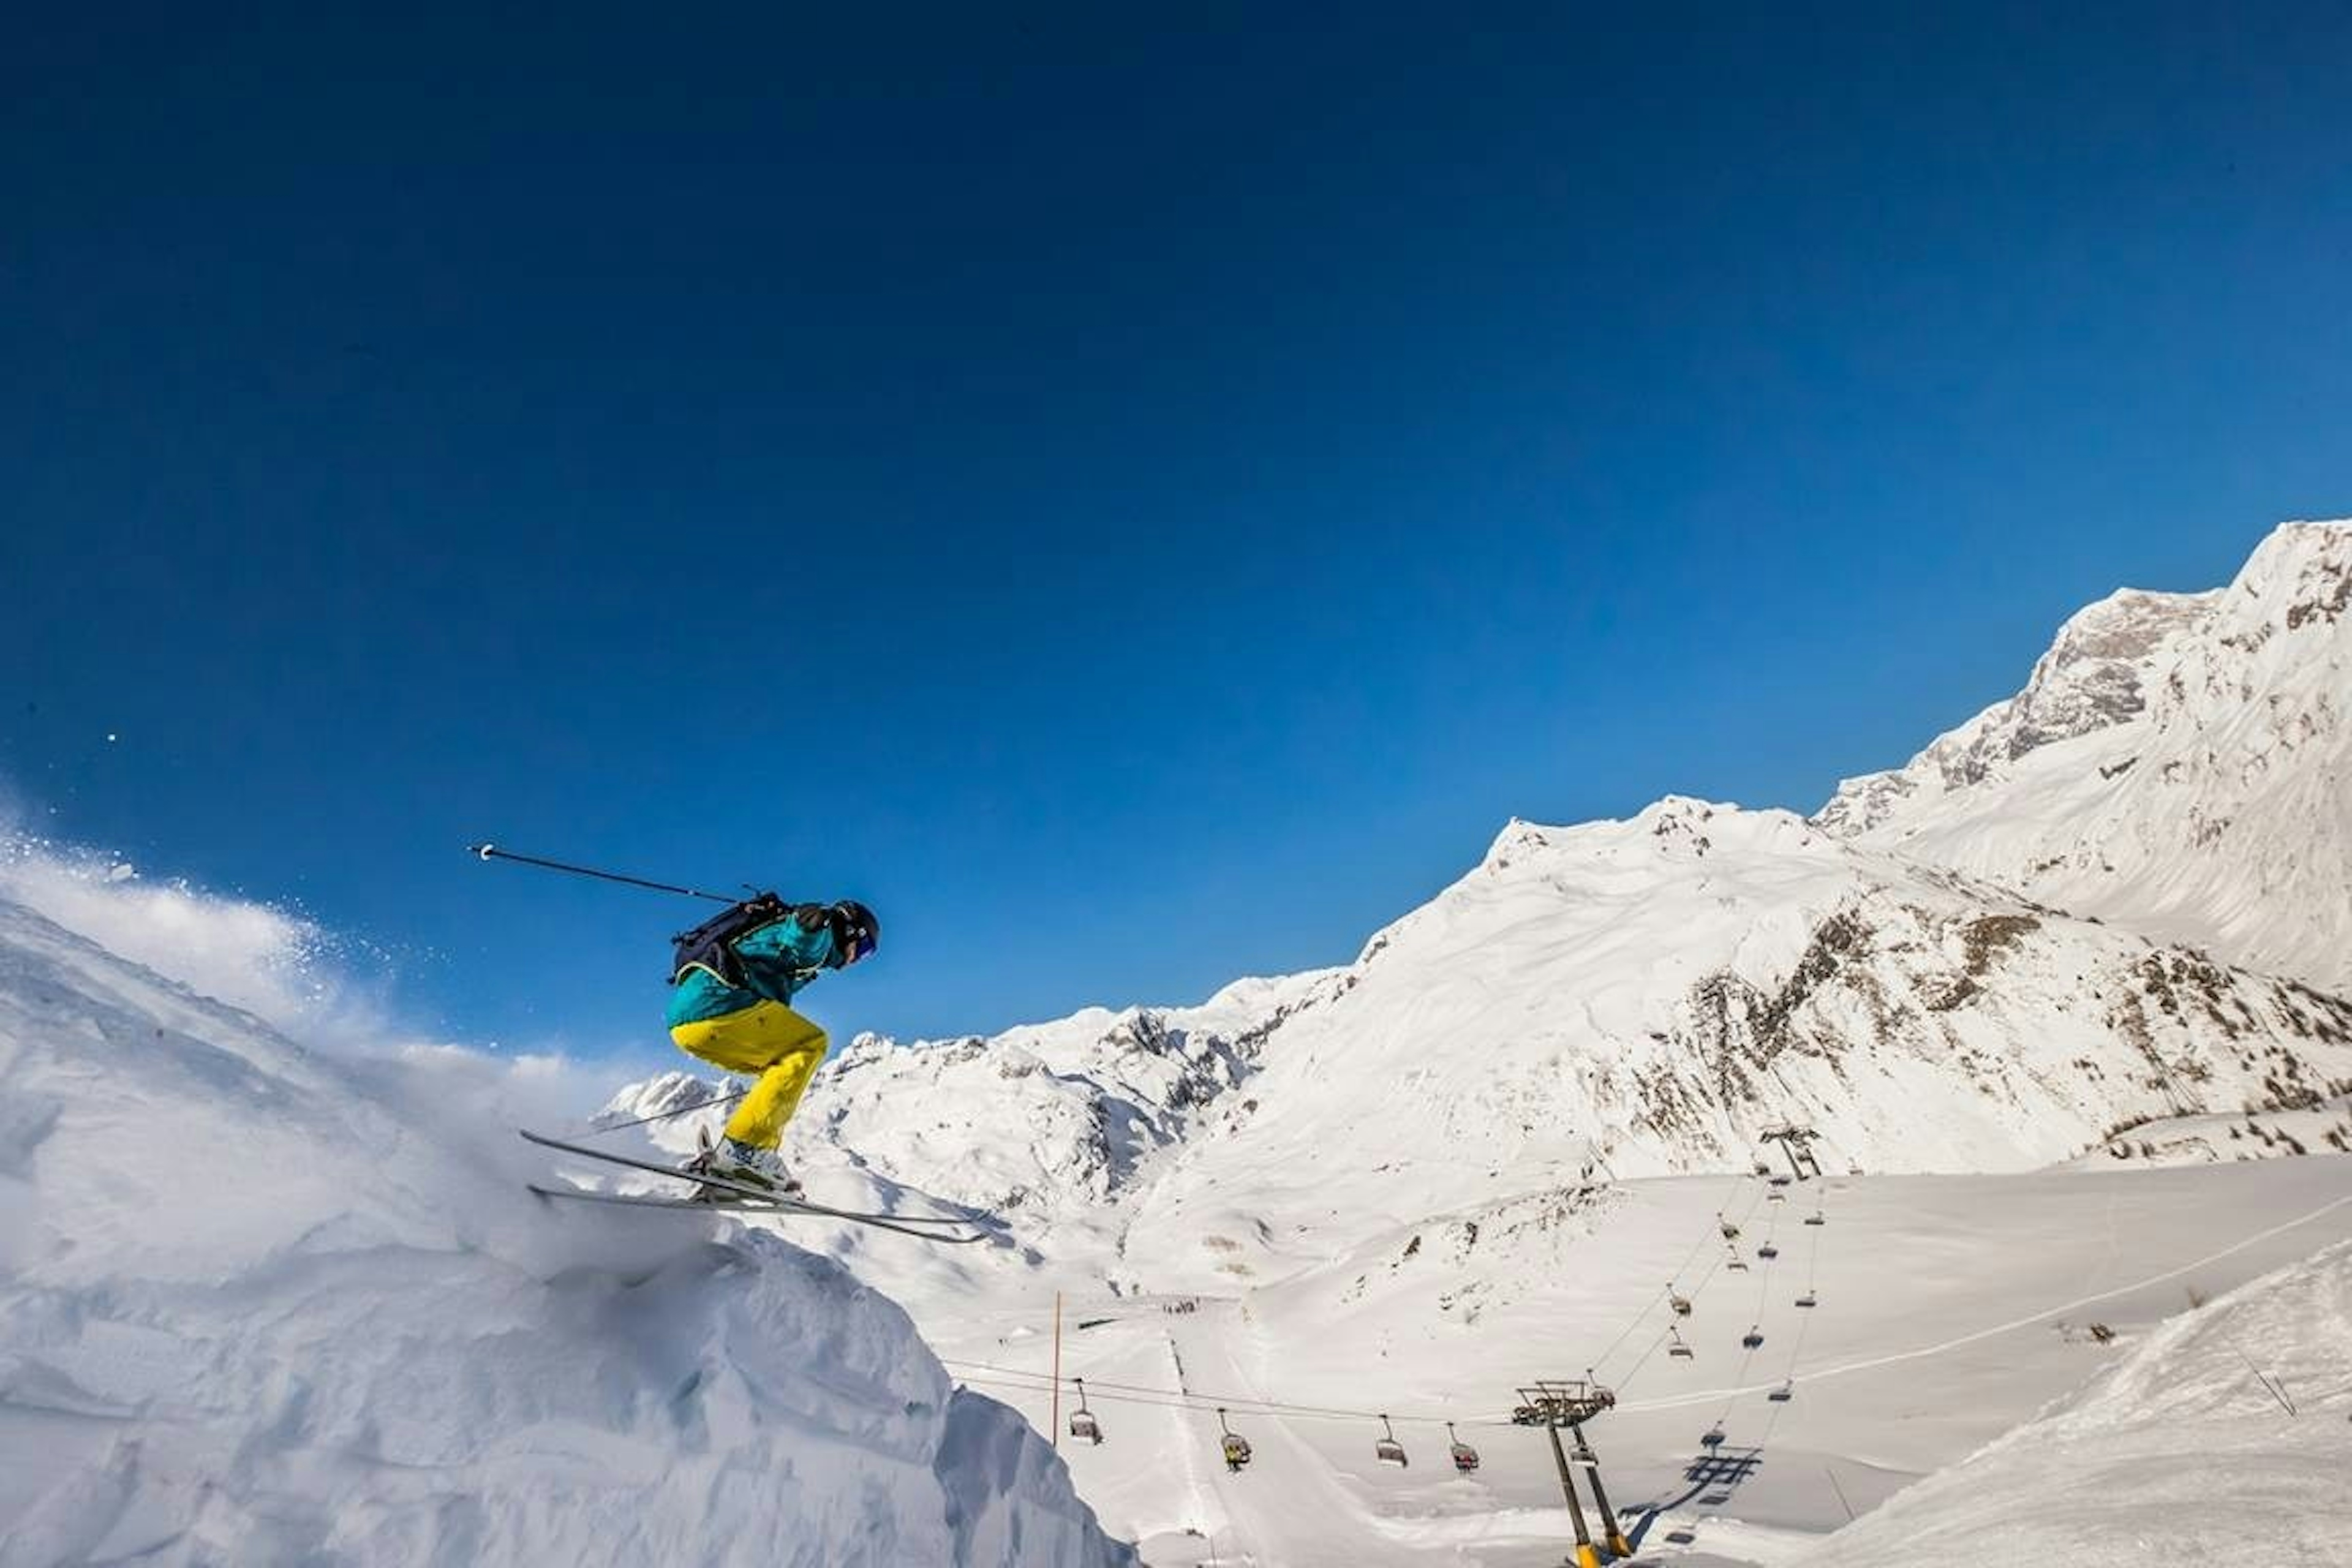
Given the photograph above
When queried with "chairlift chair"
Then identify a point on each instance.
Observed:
(1768, 1251)
(1680, 1303)
(1387, 1449)
(1782, 1394)
(1713, 1437)
(1466, 1458)
(1235, 1446)
(1815, 1219)
(1680, 1349)
(1737, 1265)
(1807, 1300)
(1730, 1231)
(1753, 1337)
(1776, 1196)
(1082, 1420)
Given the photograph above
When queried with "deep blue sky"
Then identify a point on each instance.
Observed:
(1138, 498)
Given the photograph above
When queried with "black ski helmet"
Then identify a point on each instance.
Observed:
(856, 932)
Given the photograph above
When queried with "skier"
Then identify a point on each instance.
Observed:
(734, 982)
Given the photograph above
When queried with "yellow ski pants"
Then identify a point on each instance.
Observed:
(768, 1042)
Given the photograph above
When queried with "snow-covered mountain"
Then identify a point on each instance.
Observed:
(1638, 997)
(2179, 763)
(1045, 1123)
(261, 1304)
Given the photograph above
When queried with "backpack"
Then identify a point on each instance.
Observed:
(711, 945)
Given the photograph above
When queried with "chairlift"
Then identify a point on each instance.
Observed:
(1737, 1265)
(1082, 1420)
(1730, 1231)
(1768, 1251)
(1781, 1180)
(1753, 1337)
(1387, 1449)
(1466, 1458)
(1680, 1349)
(1807, 1300)
(1776, 1196)
(1713, 1438)
(1815, 1218)
(1782, 1394)
(1680, 1303)
(1236, 1446)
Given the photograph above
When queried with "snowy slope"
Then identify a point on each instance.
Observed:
(2181, 764)
(2238, 1405)
(263, 1305)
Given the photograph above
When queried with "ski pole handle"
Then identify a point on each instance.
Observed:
(492, 852)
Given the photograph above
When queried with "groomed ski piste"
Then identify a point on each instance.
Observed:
(1948, 1311)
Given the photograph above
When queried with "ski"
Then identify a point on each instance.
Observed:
(749, 1206)
(741, 1196)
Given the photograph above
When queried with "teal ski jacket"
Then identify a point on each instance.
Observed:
(778, 958)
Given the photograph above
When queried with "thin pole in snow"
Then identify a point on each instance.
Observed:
(1841, 1493)
(1054, 1430)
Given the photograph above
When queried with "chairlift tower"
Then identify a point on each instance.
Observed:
(1796, 1143)
(1571, 1404)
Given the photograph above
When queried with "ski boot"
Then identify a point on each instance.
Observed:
(732, 1160)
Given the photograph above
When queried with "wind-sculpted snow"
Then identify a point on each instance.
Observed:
(261, 1306)
(2197, 785)
(2197, 1447)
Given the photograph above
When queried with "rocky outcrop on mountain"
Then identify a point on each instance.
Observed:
(2181, 764)
(2095, 677)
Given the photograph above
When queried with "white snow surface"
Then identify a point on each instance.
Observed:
(2181, 764)
(261, 1304)
(2239, 1402)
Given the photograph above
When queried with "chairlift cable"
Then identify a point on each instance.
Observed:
(1713, 1233)
(1131, 1392)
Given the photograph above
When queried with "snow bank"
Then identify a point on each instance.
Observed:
(265, 1305)
(2224, 1432)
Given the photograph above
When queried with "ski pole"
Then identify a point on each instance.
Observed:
(492, 852)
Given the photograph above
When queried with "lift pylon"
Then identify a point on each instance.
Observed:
(1796, 1143)
(1552, 1405)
